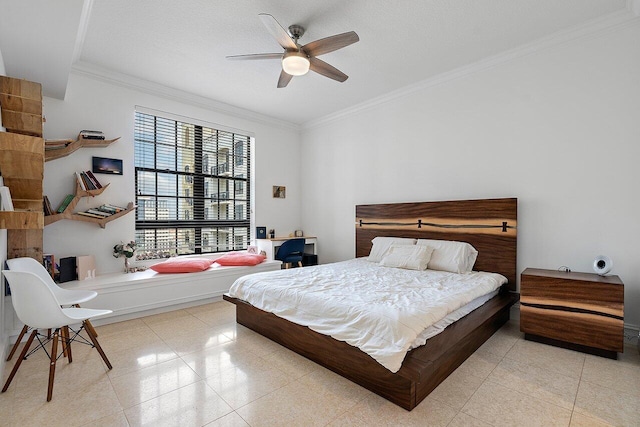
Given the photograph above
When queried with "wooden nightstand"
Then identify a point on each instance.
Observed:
(580, 311)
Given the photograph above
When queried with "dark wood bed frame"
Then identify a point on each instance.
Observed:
(490, 225)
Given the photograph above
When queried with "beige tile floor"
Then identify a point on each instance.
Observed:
(196, 367)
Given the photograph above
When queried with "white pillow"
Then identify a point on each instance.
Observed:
(450, 255)
(382, 244)
(411, 257)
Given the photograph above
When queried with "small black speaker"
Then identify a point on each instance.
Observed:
(261, 232)
(68, 269)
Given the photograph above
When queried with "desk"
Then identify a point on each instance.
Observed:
(270, 246)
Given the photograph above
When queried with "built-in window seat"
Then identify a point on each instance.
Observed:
(139, 294)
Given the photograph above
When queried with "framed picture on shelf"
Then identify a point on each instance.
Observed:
(106, 166)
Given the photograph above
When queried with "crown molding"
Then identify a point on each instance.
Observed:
(130, 82)
(599, 26)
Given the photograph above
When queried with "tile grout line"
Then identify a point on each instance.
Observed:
(483, 382)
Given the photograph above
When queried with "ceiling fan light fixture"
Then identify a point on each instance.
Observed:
(295, 63)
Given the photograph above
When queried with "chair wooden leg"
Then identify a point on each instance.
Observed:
(63, 340)
(88, 324)
(52, 365)
(299, 263)
(19, 361)
(95, 342)
(66, 342)
(24, 330)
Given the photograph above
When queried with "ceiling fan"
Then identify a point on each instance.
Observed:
(297, 60)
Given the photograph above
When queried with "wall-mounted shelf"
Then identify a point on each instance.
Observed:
(73, 146)
(79, 194)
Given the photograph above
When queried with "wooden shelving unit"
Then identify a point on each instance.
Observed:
(22, 166)
(76, 145)
(21, 106)
(71, 215)
(21, 220)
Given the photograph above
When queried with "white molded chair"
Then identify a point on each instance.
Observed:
(35, 305)
(66, 297)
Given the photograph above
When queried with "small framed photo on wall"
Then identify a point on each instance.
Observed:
(279, 191)
(107, 166)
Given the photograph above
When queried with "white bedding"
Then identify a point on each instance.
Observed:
(380, 310)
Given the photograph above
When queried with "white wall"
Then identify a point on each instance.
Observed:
(558, 129)
(91, 103)
(2, 70)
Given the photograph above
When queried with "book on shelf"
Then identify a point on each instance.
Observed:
(106, 210)
(46, 205)
(87, 182)
(80, 181)
(55, 144)
(65, 203)
(90, 215)
(49, 263)
(93, 179)
(92, 134)
(114, 208)
(86, 265)
(54, 147)
(97, 211)
(58, 141)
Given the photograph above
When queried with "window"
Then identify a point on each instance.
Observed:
(238, 152)
(186, 182)
(239, 185)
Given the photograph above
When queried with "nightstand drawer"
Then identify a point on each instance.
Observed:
(586, 329)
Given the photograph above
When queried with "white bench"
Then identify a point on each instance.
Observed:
(147, 292)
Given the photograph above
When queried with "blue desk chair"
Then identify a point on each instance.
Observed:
(291, 251)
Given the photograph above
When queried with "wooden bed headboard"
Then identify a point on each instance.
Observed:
(490, 225)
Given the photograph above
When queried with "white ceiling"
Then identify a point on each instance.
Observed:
(182, 44)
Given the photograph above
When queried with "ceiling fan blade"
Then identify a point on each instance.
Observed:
(327, 70)
(329, 44)
(284, 79)
(256, 56)
(277, 31)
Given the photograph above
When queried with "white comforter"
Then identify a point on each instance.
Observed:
(380, 310)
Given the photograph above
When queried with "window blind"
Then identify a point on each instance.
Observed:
(192, 188)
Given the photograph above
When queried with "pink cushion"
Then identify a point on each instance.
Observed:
(240, 258)
(182, 265)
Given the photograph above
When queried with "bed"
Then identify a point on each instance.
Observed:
(490, 225)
